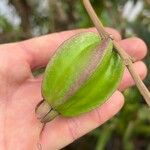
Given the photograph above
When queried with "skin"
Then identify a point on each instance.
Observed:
(20, 92)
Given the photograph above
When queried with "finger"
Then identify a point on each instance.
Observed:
(62, 131)
(135, 47)
(40, 49)
(127, 80)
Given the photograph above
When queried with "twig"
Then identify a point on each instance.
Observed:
(127, 59)
(98, 24)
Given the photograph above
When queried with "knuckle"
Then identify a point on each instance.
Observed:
(13, 68)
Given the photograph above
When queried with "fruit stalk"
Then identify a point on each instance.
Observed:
(127, 59)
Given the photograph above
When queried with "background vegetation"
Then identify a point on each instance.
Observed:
(23, 19)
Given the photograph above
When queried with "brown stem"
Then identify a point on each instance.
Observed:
(127, 59)
(95, 19)
(139, 83)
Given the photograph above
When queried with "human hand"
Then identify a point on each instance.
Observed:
(20, 92)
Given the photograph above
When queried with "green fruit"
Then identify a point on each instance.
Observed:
(83, 73)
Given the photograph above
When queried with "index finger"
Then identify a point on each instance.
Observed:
(40, 49)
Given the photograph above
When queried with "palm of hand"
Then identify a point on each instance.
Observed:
(20, 92)
(19, 96)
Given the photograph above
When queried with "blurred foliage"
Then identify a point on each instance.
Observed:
(130, 129)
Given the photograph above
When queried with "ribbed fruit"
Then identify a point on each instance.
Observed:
(83, 73)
